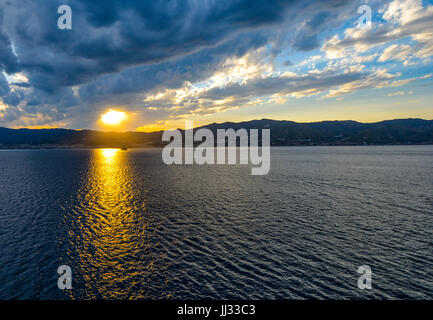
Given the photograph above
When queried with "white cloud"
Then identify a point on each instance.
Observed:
(404, 19)
(397, 93)
(379, 79)
(396, 52)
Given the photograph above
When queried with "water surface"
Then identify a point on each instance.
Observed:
(131, 227)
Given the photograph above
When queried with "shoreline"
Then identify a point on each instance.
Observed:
(160, 147)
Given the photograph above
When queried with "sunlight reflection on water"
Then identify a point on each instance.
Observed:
(109, 236)
(132, 227)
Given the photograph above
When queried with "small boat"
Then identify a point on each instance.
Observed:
(124, 148)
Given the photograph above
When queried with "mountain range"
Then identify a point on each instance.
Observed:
(283, 133)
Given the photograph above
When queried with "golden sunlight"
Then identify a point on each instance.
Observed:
(109, 154)
(113, 117)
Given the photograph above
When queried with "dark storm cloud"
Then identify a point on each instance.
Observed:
(171, 74)
(307, 39)
(326, 17)
(120, 48)
(8, 61)
(8, 96)
(4, 86)
(108, 36)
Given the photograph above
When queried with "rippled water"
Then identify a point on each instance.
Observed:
(131, 227)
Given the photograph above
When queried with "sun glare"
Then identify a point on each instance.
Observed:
(109, 154)
(113, 117)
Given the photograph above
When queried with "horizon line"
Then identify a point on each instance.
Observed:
(201, 126)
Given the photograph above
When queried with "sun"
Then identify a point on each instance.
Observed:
(113, 117)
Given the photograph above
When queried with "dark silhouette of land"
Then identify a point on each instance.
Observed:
(283, 133)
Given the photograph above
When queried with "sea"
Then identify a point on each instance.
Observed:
(131, 227)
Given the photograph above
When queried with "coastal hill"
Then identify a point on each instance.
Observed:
(283, 133)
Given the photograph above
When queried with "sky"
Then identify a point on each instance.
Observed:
(161, 62)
